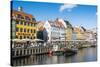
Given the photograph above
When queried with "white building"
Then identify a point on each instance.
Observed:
(62, 28)
(91, 35)
(56, 29)
(53, 30)
(48, 28)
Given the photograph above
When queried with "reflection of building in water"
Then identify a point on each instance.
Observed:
(35, 59)
(54, 59)
(83, 55)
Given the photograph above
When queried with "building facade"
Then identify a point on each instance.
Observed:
(62, 28)
(78, 33)
(42, 33)
(23, 25)
(69, 30)
(48, 28)
(90, 35)
(56, 30)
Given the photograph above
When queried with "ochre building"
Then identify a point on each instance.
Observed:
(23, 25)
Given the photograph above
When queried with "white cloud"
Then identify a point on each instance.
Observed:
(69, 7)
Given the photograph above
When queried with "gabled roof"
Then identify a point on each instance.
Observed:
(57, 23)
(15, 12)
(40, 25)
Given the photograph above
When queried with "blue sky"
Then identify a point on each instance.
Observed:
(84, 15)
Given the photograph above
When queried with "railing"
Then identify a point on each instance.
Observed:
(27, 48)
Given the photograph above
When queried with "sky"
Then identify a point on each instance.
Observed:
(84, 15)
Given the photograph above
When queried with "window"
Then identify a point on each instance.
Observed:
(31, 24)
(17, 29)
(21, 22)
(31, 30)
(27, 36)
(17, 22)
(34, 37)
(27, 30)
(24, 29)
(27, 18)
(28, 23)
(34, 24)
(20, 37)
(34, 31)
(16, 36)
(30, 37)
(25, 23)
(21, 29)
(20, 16)
(24, 36)
(33, 19)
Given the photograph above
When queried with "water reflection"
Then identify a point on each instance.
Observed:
(83, 55)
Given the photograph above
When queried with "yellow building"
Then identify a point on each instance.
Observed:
(79, 33)
(69, 34)
(69, 30)
(23, 25)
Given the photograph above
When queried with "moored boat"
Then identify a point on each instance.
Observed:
(71, 51)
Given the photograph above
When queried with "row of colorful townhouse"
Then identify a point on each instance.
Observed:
(25, 26)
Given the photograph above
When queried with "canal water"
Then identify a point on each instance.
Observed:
(83, 55)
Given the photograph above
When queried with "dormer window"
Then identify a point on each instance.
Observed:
(27, 18)
(33, 19)
(20, 16)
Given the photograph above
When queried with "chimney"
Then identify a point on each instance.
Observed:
(20, 8)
